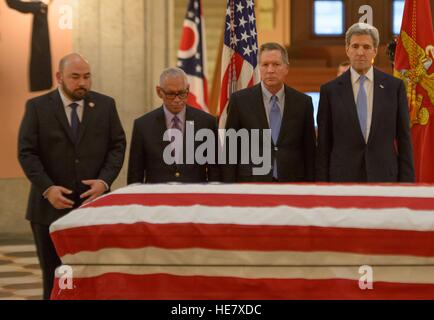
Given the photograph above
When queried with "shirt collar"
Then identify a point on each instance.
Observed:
(66, 101)
(169, 115)
(267, 94)
(355, 75)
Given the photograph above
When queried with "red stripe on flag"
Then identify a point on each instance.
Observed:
(263, 200)
(192, 101)
(165, 286)
(224, 93)
(244, 237)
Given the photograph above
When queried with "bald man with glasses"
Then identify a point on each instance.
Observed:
(147, 163)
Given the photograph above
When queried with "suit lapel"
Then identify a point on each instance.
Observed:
(189, 117)
(161, 121)
(379, 97)
(59, 111)
(259, 107)
(345, 88)
(286, 117)
(162, 127)
(89, 110)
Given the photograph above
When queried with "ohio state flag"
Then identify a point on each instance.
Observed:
(192, 55)
(414, 64)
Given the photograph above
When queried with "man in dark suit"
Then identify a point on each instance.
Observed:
(148, 161)
(287, 112)
(363, 122)
(71, 147)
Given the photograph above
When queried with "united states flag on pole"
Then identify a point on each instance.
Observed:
(192, 55)
(239, 67)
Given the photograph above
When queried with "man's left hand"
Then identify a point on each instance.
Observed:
(97, 188)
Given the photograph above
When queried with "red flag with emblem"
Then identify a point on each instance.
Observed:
(414, 64)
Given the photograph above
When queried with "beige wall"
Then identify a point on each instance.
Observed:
(277, 12)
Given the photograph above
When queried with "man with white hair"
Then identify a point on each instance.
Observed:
(363, 121)
(149, 163)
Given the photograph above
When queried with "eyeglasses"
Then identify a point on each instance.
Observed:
(172, 95)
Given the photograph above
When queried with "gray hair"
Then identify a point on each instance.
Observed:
(68, 58)
(269, 46)
(172, 73)
(361, 28)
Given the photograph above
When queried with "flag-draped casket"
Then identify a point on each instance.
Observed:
(250, 241)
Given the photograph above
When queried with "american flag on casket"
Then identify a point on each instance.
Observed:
(251, 241)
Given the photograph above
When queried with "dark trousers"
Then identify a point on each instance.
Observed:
(47, 255)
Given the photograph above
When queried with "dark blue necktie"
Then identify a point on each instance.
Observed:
(75, 121)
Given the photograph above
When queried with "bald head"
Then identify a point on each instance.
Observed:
(74, 76)
(72, 58)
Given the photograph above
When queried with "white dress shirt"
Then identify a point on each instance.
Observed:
(66, 102)
(169, 116)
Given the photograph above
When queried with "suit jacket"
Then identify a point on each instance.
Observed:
(49, 156)
(295, 148)
(343, 154)
(146, 163)
(40, 74)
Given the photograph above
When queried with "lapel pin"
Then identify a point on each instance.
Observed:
(381, 86)
(91, 104)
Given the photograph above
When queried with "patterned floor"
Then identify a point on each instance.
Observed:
(20, 276)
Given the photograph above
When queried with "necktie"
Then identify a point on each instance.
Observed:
(275, 119)
(75, 121)
(362, 105)
(176, 124)
(275, 122)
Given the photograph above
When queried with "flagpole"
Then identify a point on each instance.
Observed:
(216, 83)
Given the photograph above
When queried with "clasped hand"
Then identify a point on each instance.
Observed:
(56, 194)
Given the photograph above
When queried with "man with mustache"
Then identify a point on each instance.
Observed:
(287, 112)
(363, 122)
(71, 147)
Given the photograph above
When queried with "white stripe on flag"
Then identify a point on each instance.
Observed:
(388, 219)
(285, 189)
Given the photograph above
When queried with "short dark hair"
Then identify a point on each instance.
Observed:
(269, 46)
